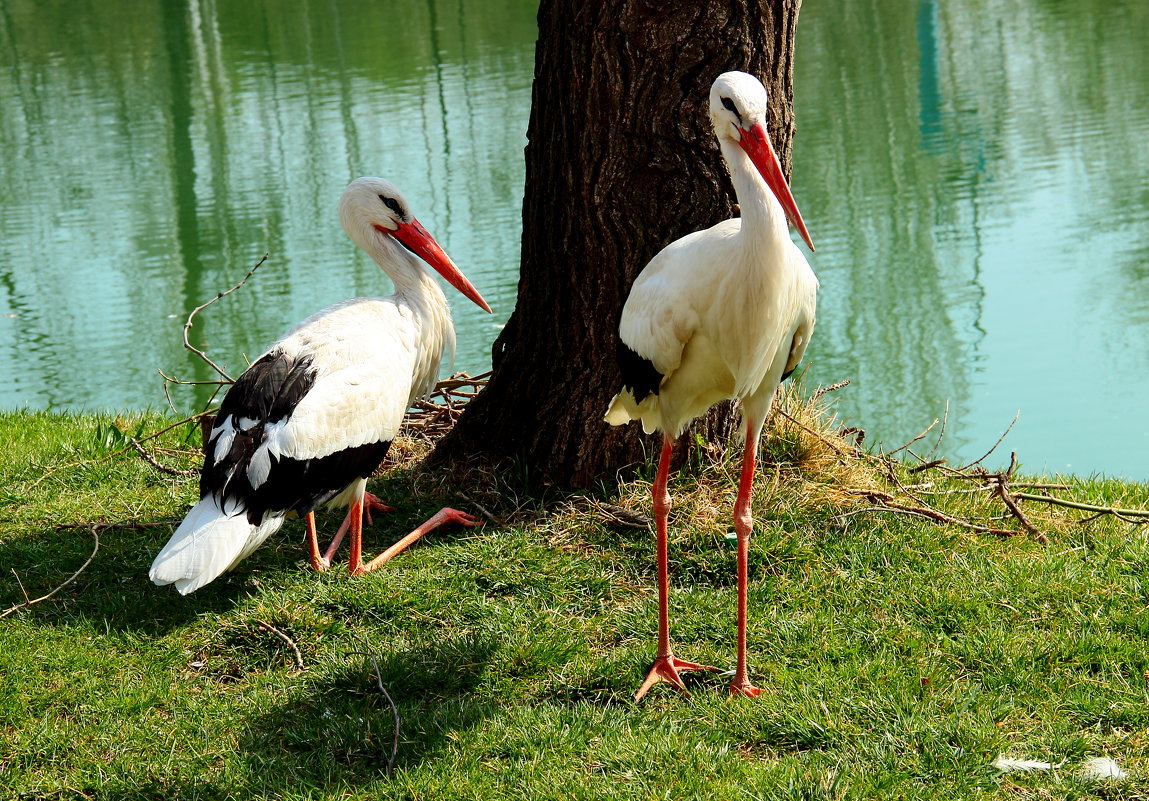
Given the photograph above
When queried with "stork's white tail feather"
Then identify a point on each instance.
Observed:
(207, 543)
(623, 410)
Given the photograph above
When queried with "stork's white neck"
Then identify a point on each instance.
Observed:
(763, 219)
(417, 290)
(411, 277)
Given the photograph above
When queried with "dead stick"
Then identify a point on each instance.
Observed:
(941, 431)
(481, 508)
(394, 709)
(837, 446)
(1004, 434)
(202, 306)
(23, 591)
(1013, 507)
(163, 468)
(96, 547)
(915, 439)
(931, 514)
(1085, 507)
(286, 639)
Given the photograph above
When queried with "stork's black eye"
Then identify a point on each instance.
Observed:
(392, 204)
(729, 104)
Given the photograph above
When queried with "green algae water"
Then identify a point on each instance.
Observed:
(975, 175)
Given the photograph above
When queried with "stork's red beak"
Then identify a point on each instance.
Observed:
(423, 245)
(757, 146)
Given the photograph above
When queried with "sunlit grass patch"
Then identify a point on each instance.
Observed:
(899, 656)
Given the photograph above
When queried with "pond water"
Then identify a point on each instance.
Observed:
(973, 172)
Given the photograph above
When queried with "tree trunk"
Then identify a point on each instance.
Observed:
(621, 161)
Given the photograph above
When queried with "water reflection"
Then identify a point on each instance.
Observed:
(156, 150)
(973, 173)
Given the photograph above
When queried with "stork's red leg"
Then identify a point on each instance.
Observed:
(369, 502)
(666, 664)
(743, 524)
(442, 517)
(318, 562)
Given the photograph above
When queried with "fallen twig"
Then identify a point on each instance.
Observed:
(915, 439)
(481, 508)
(291, 643)
(163, 468)
(394, 709)
(96, 527)
(52, 471)
(941, 432)
(1014, 507)
(1132, 515)
(837, 446)
(888, 504)
(986, 455)
(23, 591)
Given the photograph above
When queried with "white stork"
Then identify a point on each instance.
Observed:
(312, 418)
(721, 313)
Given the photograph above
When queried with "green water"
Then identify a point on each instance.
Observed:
(974, 175)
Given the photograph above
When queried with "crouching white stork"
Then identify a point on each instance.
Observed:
(312, 418)
(721, 313)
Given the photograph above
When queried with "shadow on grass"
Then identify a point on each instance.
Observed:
(339, 728)
(114, 588)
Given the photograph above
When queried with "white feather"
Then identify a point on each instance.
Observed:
(224, 433)
(1102, 768)
(208, 542)
(1010, 765)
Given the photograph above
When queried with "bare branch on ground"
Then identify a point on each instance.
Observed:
(96, 528)
(290, 642)
(394, 709)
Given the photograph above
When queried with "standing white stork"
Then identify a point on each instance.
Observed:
(721, 313)
(312, 418)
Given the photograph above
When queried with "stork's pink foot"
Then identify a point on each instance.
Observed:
(666, 668)
(744, 688)
(372, 503)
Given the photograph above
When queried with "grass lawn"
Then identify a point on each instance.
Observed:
(898, 657)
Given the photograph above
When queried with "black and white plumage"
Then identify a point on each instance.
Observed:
(722, 313)
(312, 417)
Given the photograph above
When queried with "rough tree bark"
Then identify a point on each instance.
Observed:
(621, 161)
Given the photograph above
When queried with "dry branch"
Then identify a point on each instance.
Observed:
(1131, 515)
(163, 468)
(96, 528)
(987, 454)
(394, 709)
(202, 306)
(291, 643)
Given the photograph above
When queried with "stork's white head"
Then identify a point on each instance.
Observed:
(738, 110)
(738, 100)
(376, 216)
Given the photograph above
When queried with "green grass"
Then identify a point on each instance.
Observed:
(898, 658)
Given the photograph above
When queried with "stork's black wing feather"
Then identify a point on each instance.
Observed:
(639, 375)
(267, 393)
